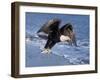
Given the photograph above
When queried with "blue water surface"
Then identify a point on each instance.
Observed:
(61, 53)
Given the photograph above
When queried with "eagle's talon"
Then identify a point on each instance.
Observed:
(46, 51)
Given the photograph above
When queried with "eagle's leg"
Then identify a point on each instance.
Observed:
(48, 46)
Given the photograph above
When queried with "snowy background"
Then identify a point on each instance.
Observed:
(62, 54)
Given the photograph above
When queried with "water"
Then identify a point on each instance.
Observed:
(61, 53)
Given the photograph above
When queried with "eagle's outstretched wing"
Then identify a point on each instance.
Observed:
(67, 30)
(46, 28)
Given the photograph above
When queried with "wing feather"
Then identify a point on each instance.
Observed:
(44, 31)
(67, 30)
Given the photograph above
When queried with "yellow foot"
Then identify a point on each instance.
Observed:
(46, 51)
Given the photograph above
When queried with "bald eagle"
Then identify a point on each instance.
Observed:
(51, 31)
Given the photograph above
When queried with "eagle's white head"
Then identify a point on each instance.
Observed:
(64, 38)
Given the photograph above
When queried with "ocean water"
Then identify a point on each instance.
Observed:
(61, 53)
